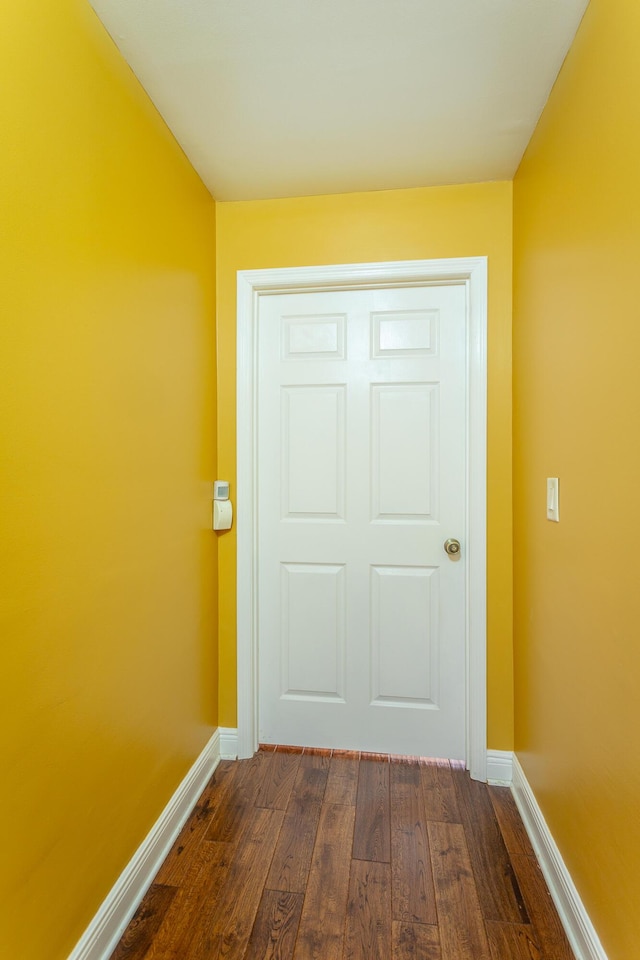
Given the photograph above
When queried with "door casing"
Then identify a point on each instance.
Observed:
(251, 286)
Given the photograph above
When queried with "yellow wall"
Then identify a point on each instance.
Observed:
(107, 400)
(472, 220)
(576, 416)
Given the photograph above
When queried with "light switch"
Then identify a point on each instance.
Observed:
(553, 507)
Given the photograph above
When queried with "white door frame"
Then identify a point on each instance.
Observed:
(253, 284)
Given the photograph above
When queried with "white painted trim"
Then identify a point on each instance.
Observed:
(575, 919)
(103, 933)
(252, 284)
(499, 767)
(228, 743)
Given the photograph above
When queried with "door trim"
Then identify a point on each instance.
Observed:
(254, 284)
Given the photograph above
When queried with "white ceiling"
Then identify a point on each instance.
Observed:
(275, 98)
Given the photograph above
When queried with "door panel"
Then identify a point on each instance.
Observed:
(313, 630)
(404, 334)
(404, 429)
(399, 637)
(313, 452)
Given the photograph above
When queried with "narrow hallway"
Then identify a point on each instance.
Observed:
(301, 855)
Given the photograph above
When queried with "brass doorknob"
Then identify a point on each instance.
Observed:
(452, 547)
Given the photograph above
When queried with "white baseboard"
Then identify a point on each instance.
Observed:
(228, 743)
(575, 920)
(499, 767)
(101, 936)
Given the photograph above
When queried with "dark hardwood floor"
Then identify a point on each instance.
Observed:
(317, 856)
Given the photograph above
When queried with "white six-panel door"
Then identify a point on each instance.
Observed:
(361, 477)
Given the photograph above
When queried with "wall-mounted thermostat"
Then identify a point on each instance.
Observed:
(220, 489)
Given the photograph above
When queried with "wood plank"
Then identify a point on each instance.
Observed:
(145, 924)
(549, 931)
(223, 926)
(321, 930)
(319, 760)
(342, 785)
(368, 927)
(500, 895)
(238, 798)
(415, 941)
(202, 882)
(274, 932)
(294, 849)
(413, 893)
(277, 782)
(438, 791)
(511, 941)
(253, 768)
(176, 865)
(514, 834)
(462, 933)
(372, 837)
(230, 814)
(474, 802)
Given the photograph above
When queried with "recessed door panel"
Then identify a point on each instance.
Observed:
(404, 636)
(313, 454)
(313, 631)
(405, 333)
(313, 337)
(404, 439)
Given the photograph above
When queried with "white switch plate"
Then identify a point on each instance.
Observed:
(553, 506)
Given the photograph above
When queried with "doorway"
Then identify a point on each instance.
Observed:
(305, 336)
